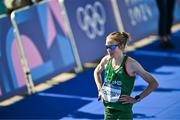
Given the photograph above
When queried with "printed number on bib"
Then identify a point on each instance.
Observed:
(111, 92)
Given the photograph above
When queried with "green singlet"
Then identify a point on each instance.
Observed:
(117, 82)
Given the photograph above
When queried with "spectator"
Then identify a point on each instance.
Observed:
(166, 8)
(2, 7)
(16, 4)
(36, 1)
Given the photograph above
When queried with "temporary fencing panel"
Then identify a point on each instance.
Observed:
(90, 21)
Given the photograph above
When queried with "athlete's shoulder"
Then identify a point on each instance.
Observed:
(133, 64)
(131, 60)
(105, 59)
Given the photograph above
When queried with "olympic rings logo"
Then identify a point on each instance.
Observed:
(91, 19)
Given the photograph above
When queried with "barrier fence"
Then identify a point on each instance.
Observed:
(90, 23)
(41, 41)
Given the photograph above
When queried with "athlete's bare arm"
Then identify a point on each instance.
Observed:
(98, 70)
(133, 67)
(152, 83)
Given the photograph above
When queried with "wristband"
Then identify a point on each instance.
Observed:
(138, 98)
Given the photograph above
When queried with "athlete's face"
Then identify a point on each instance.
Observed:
(111, 47)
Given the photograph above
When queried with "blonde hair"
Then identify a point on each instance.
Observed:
(120, 37)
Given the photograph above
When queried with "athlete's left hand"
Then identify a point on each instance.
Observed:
(125, 99)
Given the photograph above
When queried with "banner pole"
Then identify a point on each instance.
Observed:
(71, 37)
(29, 81)
(117, 15)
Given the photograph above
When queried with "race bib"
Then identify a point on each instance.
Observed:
(111, 92)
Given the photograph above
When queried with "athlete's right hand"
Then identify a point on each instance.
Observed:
(100, 97)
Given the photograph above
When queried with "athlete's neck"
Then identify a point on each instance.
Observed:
(117, 60)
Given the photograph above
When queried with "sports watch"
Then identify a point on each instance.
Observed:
(138, 98)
